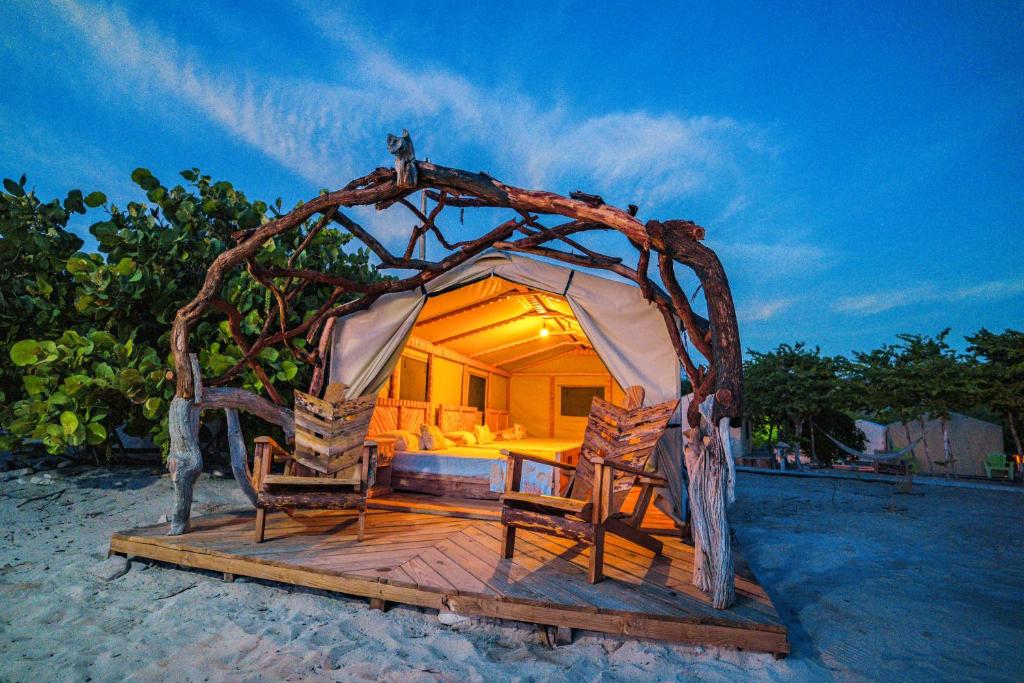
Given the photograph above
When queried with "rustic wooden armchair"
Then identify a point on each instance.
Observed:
(332, 466)
(617, 445)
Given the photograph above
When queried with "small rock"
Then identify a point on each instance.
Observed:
(451, 618)
(64, 463)
(219, 474)
(119, 483)
(39, 480)
(47, 475)
(16, 474)
(111, 568)
(163, 519)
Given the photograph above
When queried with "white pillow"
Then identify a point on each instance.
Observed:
(404, 440)
(462, 438)
(432, 439)
(506, 434)
(483, 434)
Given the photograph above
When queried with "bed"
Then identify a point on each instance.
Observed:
(472, 471)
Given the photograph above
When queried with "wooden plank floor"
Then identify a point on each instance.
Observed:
(444, 560)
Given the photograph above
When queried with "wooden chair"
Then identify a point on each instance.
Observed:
(332, 467)
(617, 444)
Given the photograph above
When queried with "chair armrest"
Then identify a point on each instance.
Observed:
(536, 458)
(628, 469)
(275, 447)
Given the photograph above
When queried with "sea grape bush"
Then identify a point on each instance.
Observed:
(87, 334)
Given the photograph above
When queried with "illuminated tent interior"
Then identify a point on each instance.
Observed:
(499, 342)
(495, 345)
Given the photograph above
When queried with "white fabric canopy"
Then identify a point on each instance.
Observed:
(627, 332)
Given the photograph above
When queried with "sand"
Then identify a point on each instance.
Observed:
(873, 586)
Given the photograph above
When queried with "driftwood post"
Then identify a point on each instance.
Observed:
(717, 385)
(185, 460)
(710, 483)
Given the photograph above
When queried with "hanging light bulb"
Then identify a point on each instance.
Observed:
(544, 332)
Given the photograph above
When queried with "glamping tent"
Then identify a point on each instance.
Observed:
(507, 341)
(970, 441)
(360, 331)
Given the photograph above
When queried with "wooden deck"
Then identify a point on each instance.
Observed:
(445, 555)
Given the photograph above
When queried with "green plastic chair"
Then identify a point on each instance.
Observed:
(998, 462)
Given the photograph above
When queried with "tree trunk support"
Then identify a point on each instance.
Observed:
(706, 454)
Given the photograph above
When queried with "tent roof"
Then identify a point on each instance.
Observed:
(502, 323)
(623, 328)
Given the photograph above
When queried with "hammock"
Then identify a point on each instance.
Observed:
(861, 455)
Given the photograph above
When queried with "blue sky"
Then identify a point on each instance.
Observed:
(859, 169)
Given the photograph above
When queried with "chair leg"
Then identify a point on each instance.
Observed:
(261, 524)
(362, 523)
(595, 572)
(508, 541)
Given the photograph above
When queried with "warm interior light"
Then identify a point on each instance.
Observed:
(544, 332)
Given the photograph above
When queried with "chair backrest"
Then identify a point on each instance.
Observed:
(625, 435)
(329, 432)
(996, 460)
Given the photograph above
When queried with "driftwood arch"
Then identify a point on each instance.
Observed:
(659, 245)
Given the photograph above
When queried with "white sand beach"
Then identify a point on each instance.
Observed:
(873, 586)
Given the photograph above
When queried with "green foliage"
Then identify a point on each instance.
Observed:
(918, 375)
(790, 384)
(88, 333)
(1000, 375)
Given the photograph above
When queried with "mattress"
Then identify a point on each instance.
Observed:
(484, 463)
(539, 446)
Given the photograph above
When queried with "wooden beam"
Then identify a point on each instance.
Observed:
(417, 344)
(520, 342)
(602, 375)
(488, 328)
(504, 296)
(535, 352)
(551, 408)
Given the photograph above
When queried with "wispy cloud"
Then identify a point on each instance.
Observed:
(760, 310)
(880, 301)
(775, 259)
(323, 129)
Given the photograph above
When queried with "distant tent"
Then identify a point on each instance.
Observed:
(971, 440)
(874, 435)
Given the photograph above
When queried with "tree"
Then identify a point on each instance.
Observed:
(791, 383)
(88, 333)
(919, 377)
(35, 288)
(1000, 374)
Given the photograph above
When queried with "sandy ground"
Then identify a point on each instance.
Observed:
(873, 586)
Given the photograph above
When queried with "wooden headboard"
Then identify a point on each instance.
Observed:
(457, 418)
(397, 413)
(496, 419)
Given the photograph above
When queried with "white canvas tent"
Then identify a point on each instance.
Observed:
(874, 436)
(971, 440)
(618, 332)
(626, 331)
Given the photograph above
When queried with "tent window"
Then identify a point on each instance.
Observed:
(412, 382)
(576, 400)
(477, 392)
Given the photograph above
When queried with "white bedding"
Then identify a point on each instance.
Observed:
(533, 445)
(479, 462)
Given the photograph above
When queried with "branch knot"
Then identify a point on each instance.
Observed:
(405, 159)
